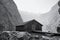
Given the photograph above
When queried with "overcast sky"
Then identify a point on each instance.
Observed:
(35, 6)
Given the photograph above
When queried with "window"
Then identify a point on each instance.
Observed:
(1, 27)
(59, 10)
(33, 27)
(58, 29)
(59, 3)
(39, 28)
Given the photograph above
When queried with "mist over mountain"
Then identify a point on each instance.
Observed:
(26, 16)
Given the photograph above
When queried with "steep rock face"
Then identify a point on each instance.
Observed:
(52, 18)
(9, 15)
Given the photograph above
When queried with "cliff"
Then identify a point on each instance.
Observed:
(9, 15)
(51, 19)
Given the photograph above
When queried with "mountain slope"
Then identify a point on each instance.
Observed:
(9, 15)
(50, 19)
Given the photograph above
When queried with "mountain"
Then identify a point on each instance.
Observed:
(50, 19)
(9, 15)
(27, 16)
